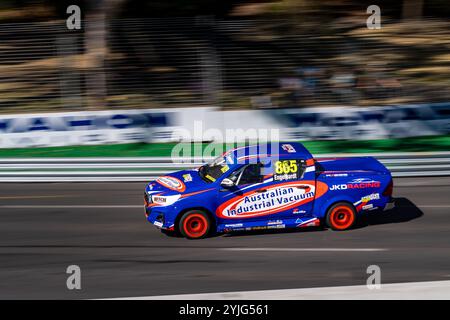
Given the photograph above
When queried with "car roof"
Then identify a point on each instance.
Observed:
(282, 150)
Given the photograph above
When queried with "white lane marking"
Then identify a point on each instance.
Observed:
(35, 197)
(306, 249)
(429, 290)
(68, 207)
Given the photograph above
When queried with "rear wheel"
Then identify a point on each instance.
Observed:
(341, 216)
(195, 224)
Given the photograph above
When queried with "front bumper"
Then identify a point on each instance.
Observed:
(159, 217)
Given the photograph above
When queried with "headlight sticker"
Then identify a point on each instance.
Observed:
(171, 183)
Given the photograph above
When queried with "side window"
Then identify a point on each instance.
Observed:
(251, 174)
(285, 170)
(247, 175)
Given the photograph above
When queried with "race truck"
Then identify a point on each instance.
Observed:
(268, 186)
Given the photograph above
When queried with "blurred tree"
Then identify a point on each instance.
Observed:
(96, 47)
(412, 9)
(176, 8)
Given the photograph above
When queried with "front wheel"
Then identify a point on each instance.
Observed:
(341, 216)
(195, 224)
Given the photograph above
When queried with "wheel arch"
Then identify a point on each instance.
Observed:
(341, 201)
(205, 210)
(322, 209)
(333, 225)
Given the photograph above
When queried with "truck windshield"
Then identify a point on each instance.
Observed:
(213, 170)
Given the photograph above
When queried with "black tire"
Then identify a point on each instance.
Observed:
(195, 224)
(341, 216)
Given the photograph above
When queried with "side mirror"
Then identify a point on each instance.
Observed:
(227, 183)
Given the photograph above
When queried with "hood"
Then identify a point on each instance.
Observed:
(185, 181)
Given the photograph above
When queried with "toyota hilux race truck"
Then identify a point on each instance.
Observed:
(268, 186)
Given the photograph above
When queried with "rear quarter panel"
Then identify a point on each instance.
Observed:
(363, 189)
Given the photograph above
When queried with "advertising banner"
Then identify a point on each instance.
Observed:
(211, 124)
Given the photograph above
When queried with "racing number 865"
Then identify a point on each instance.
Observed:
(286, 166)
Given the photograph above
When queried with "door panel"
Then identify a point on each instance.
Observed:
(269, 199)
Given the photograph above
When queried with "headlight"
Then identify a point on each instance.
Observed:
(147, 198)
(165, 200)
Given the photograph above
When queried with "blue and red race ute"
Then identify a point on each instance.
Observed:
(268, 186)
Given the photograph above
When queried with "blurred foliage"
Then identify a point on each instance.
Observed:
(40, 9)
(161, 63)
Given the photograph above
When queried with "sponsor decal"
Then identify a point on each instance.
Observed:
(335, 175)
(288, 147)
(298, 211)
(257, 228)
(277, 226)
(158, 199)
(308, 222)
(373, 196)
(187, 177)
(361, 180)
(233, 229)
(165, 201)
(276, 199)
(363, 203)
(158, 224)
(271, 223)
(356, 184)
(171, 183)
(234, 225)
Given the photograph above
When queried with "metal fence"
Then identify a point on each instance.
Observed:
(229, 63)
(148, 168)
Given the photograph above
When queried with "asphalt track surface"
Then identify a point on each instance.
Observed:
(101, 227)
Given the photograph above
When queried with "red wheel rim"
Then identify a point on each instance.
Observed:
(342, 217)
(195, 225)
